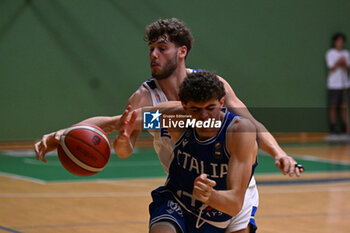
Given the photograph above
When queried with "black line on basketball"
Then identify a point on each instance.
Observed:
(68, 135)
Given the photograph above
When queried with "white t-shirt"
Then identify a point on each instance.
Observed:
(338, 78)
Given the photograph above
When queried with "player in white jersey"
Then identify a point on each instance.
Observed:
(169, 44)
(162, 142)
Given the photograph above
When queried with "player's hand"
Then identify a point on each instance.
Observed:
(203, 188)
(49, 142)
(126, 125)
(288, 165)
(341, 61)
(123, 146)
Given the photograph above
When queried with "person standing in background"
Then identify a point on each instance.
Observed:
(338, 64)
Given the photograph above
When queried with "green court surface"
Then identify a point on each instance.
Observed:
(143, 163)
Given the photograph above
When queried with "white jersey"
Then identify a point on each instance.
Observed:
(338, 78)
(162, 142)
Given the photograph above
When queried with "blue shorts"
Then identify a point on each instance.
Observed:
(165, 207)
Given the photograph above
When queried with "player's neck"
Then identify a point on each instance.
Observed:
(170, 86)
(207, 134)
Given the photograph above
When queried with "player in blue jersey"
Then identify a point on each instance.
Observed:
(210, 185)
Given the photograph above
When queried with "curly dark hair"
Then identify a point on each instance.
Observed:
(200, 87)
(176, 30)
(336, 36)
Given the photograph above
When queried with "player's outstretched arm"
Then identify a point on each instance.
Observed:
(241, 144)
(266, 141)
(49, 142)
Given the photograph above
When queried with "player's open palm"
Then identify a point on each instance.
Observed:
(126, 125)
(123, 146)
(203, 188)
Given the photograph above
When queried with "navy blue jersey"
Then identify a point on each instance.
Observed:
(193, 157)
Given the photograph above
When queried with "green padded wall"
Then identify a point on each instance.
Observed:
(63, 61)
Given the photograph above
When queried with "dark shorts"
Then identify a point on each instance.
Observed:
(165, 208)
(337, 97)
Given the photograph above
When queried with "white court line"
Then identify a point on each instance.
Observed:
(317, 159)
(305, 190)
(34, 161)
(148, 163)
(106, 180)
(41, 163)
(30, 153)
(312, 158)
(77, 195)
(19, 177)
(24, 153)
(147, 194)
(130, 184)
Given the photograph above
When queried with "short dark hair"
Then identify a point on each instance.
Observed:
(176, 30)
(336, 36)
(200, 87)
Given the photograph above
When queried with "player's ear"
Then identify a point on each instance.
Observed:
(222, 101)
(182, 51)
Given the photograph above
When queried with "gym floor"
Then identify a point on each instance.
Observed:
(38, 197)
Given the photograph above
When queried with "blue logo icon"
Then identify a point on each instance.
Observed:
(151, 120)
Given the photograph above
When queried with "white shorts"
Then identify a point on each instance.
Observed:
(246, 215)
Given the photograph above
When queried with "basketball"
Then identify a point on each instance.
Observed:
(84, 149)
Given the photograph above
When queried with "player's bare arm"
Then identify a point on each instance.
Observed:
(125, 141)
(340, 63)
(109, 124)
(131, 122)
(266, 141)
(242, 146)
(49, 142)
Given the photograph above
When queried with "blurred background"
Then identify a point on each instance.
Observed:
(64, 61)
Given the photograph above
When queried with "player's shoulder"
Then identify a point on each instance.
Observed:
(223, 81)
(240, 134)
(242, 125)
(191, 70)
(140, 98)
(228, 88)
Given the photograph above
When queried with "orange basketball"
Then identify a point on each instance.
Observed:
(84, 149)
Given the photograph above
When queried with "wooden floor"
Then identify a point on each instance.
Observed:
(122, 205)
